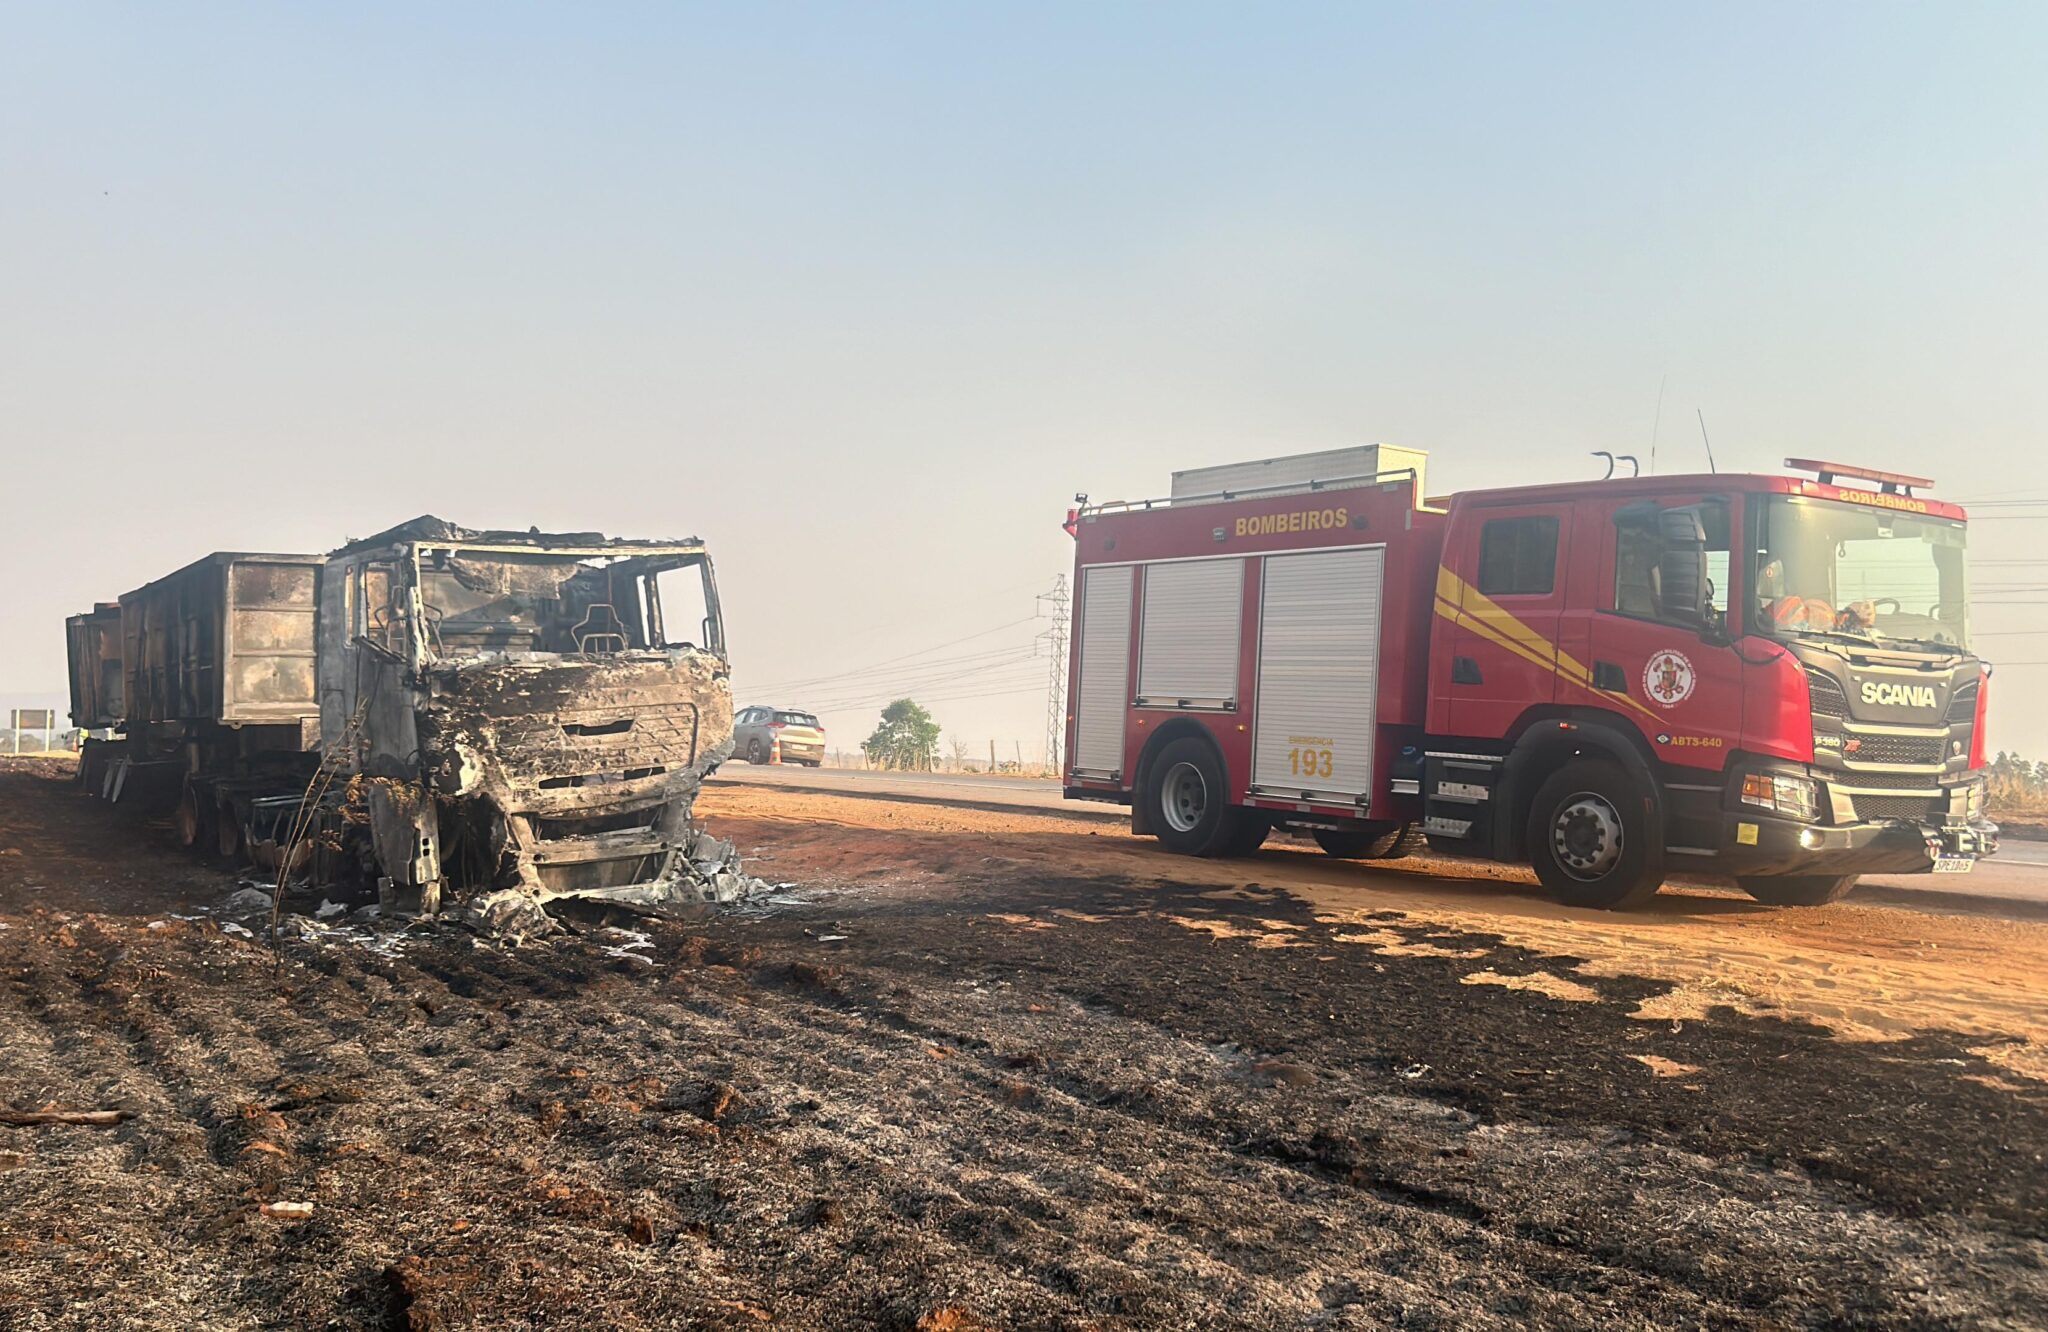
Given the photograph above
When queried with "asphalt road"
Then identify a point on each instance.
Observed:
(2018, 873)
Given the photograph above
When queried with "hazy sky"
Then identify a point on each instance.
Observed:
(863, 294)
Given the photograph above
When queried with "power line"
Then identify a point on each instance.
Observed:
(1010, 624)
(1029, 687)
(965, 661)
(1021, 667)
(858, 697)
(890, 661)
(1009, 660)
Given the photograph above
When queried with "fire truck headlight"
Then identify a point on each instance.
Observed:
(1782, 794)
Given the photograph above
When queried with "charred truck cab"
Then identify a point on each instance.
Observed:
(1765, 677)
(518, 710)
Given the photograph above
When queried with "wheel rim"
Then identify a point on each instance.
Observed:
(754, 750)
(1184, 797)
(1586, 836)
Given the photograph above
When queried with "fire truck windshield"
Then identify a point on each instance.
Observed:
(1826, 567)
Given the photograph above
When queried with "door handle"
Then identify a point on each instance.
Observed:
(1610, 677)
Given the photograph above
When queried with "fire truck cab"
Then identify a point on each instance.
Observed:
(1764, 677)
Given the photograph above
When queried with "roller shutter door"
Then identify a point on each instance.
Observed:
(1319, 641)
(1101, 694)
(1193, 613)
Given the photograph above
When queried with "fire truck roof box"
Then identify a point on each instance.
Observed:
(1297, 471)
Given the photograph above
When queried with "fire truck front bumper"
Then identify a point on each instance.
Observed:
(1753, 842)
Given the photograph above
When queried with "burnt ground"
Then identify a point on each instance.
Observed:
(1000, 1098)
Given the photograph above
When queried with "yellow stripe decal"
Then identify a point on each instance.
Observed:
(1460, 603)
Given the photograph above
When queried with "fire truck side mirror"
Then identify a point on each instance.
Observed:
(1682, 567)
(1679, 586)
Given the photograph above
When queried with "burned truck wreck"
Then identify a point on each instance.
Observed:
(435, 713)
(522, 712)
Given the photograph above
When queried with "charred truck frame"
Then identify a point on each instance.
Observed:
(470, 711)
(1766, 677)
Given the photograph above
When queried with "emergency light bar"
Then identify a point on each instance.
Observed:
(1894, 483)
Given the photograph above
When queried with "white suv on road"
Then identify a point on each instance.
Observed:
(777, 735)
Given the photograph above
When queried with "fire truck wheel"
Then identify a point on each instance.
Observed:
(1190, 807)
(1796, 889)
(1251, 833)
(1590, 839)
(1382, 841)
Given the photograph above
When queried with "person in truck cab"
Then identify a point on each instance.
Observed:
(1789, 610)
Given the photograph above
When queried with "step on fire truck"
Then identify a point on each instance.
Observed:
(1764, 677)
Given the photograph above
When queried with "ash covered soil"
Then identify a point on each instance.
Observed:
(941, 1086)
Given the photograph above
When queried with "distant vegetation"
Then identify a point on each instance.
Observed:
(907, 738)
(2018, 786)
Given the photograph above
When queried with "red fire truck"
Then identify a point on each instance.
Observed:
(1765, 677)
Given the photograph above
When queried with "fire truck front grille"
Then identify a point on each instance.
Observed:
(1899, 749)
(1889, 781)
(1914, 807)
(1828, 698)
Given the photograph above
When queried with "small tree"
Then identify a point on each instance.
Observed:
(907, 738)
(956, 748)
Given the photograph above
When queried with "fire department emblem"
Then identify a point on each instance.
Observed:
(1668, 678)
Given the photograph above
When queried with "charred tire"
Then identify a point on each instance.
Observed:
(193, 819)
(1590, 838)
(755, 754)
(1797, 889)
(1188, 798)
(1379, 841)
(227, 833)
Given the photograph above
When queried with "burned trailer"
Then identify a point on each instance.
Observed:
(92, 643)
(521, 711)
(206, 678)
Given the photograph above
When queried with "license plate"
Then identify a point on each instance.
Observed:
(1954, 864)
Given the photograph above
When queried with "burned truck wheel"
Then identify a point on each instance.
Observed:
(1382, 841)
(1189, 801)
(1590, 838)
(1797, 889)
(193, 819)
(227, 833)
